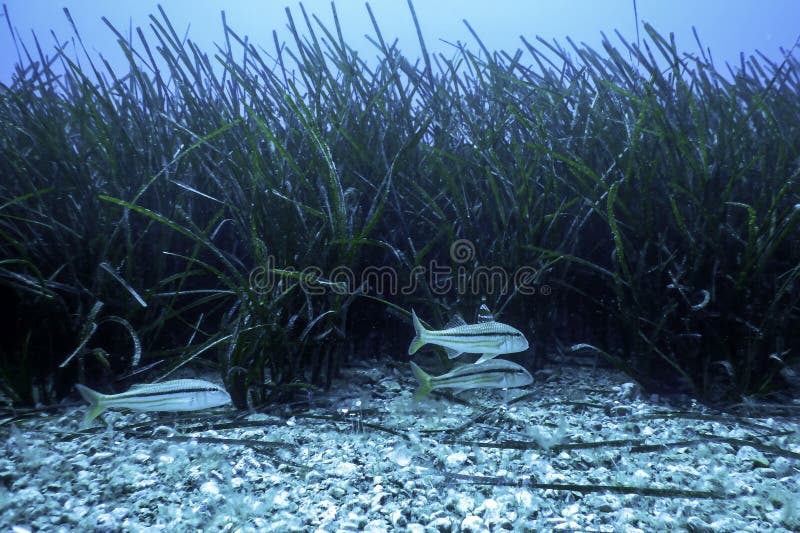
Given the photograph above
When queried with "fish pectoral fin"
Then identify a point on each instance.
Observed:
(451, 353)
(486, 357)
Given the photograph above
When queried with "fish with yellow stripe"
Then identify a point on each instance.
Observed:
(175, 395)
(495, 374)
(486, 337)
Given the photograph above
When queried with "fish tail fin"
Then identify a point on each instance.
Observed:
(417, 342)
(424, 379)
(96, 405)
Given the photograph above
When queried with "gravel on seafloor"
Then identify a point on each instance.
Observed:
(366, 457)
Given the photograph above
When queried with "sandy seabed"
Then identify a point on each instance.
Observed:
(579, 450)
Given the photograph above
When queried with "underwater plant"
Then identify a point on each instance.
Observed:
(649, 198)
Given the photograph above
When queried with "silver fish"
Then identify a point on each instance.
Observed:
(487, 337)
(175, 395)
(495, 374)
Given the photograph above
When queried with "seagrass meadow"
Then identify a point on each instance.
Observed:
(273, 215)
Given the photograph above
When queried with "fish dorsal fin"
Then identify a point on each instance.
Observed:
(484, 315)
(454, 322)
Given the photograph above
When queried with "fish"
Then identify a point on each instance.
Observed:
(486, 337)
(175, 395)
(495, 374)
